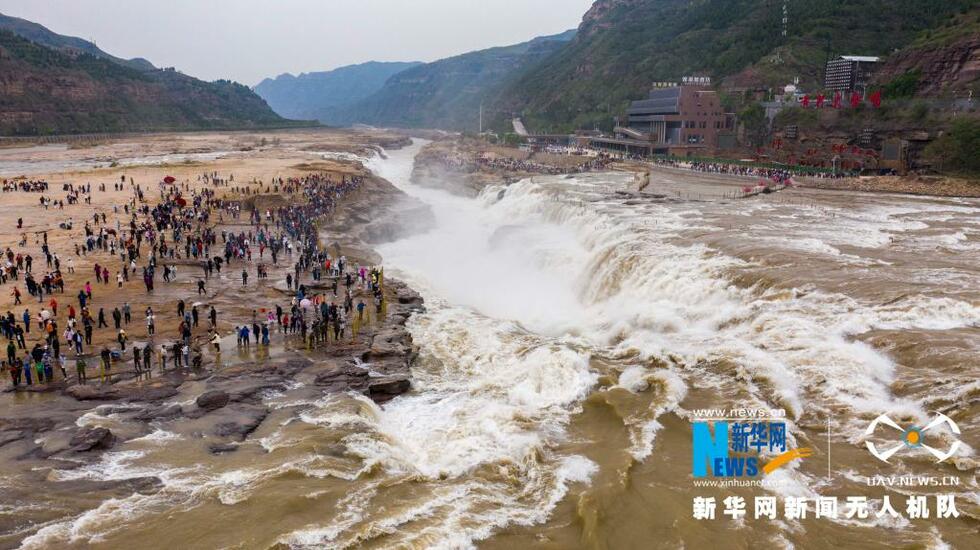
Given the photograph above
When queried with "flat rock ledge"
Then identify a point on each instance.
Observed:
(229, 403)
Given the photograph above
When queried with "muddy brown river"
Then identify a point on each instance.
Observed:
(575, 331)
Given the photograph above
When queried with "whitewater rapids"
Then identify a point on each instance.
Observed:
(569, 332)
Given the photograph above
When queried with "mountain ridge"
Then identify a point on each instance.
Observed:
(447, 93)
(66, 85)
(306, 95)
(40, 34)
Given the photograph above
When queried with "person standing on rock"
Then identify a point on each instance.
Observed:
(117, 318)
(105, 373)
(37, 355)
(80, 369)
(122, 338)
(244, 336)
(11, 352)
(147, 364)
(60, 360)
(14, 368)
(27, 369)
(216, 342)
(150, 323)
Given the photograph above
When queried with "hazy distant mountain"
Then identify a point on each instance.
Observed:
(312, 95)
(447, 93)
(68, 44)
(53, 84)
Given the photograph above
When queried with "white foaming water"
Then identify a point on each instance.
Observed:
(524, 292)
(562, 263)
(159, 436)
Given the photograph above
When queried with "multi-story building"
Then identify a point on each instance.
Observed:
(681, 120)
(850, 72)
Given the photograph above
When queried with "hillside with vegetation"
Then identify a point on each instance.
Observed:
(944, 60)
(40, 34)
(447, 93)
(316, 95)
(624, 45)
(46, 90)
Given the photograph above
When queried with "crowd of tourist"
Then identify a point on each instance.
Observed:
(182, 228)
(460, 162)
(29, 186)
(779, 175)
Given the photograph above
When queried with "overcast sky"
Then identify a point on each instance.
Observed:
(248, 40)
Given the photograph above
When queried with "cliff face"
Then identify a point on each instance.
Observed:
(955, 67)
(598, 17)
(945, 59)
(51, 91)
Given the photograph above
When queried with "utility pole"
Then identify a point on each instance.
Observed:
(481, 118)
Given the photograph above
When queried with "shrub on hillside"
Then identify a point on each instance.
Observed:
(956, 150)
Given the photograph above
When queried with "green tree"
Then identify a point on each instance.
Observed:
(513, 139)
(756, 124)
(956, 150)
(904, 85)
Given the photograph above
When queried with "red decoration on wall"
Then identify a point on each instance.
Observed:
(876, 99)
